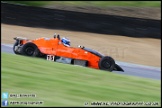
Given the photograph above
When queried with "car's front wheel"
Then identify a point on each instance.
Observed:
(107, 63)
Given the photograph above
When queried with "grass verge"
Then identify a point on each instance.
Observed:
(58, 84)
(92, 3)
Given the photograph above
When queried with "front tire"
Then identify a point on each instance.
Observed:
(30, 49)
(107, 63)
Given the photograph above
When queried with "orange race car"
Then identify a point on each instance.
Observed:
(59, 50)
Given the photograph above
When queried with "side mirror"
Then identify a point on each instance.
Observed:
(80, 46)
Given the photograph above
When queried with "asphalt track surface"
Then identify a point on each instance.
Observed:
(129, 68)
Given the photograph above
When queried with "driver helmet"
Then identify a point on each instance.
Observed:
(65, 41)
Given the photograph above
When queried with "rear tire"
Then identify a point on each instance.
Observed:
(107, 63)
(30, 49)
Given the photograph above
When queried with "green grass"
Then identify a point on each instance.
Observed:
(58, 84)
(93, 3)
(30, 3)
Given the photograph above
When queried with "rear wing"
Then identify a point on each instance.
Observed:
(20, 38)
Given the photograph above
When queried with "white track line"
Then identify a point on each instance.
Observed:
(8, 45)
(137, 65)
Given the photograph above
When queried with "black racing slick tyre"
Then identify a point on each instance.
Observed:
(107, 63)
(14, 50)
(30, 49)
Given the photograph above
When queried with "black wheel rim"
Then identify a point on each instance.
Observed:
(106, 64)
(29, 51)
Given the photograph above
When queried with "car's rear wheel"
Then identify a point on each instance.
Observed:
(30, 49)
(107, 63)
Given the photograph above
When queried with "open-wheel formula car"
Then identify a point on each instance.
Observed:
(54, 49)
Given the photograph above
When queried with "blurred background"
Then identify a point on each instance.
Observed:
(143, 9)
(138, 22)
